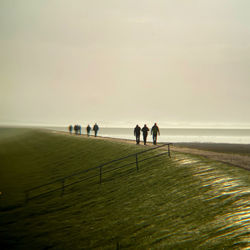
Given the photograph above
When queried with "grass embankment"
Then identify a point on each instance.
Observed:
(183, 202)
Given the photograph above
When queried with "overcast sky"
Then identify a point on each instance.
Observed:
(119, 62)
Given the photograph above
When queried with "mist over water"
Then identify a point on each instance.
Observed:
(237, 136)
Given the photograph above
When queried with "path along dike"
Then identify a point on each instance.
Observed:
(235, 159)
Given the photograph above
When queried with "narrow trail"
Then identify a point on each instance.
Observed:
(238, 160)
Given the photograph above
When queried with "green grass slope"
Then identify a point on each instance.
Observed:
(185, 202)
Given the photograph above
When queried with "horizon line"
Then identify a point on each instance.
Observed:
(36, 125)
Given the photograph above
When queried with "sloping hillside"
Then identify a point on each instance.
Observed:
(182, 202)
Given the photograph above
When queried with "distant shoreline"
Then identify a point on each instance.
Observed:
(37, 126)
(220, 147)
(176, 135)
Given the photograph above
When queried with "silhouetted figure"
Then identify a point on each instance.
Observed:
(95, 128)
(79, 129)
(145, 130)
(88, 129)
(76, 129)
(155, 131)
(70, 129)
(137, 133)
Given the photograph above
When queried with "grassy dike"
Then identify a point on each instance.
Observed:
(177, 203)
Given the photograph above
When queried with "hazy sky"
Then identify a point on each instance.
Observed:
(119, 62)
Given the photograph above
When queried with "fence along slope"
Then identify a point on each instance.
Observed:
(100, 169)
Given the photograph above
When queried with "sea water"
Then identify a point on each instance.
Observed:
(235, 136)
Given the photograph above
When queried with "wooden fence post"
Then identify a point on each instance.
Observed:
(117, 246)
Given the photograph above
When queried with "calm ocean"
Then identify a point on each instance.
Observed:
(241, 136)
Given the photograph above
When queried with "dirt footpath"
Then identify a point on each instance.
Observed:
(233, 159)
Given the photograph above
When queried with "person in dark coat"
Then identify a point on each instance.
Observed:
(137, 133)
(155, 131)
(145, 130)
(96, 128)
(88, 129)
(76, 129)
(70, 129)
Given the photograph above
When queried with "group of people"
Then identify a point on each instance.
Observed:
(154, 132)
(78, 129)
(137, 132)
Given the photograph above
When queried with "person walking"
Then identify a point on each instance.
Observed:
(145, 130)
(155, 131)
(96, 128)
(70, 129)
(137, 133)
(76, 129)
(88, 129)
